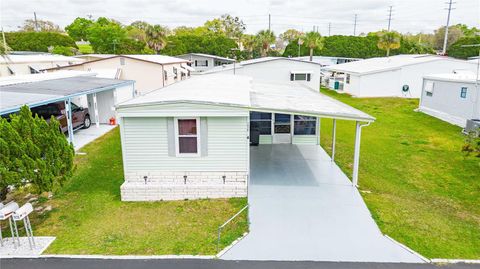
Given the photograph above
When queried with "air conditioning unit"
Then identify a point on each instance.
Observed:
(473, 125)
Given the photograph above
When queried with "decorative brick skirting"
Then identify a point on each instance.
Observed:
(155, 186)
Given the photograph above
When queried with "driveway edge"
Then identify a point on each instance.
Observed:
(408, 249)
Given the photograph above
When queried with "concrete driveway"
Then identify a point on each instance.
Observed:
(303, 207)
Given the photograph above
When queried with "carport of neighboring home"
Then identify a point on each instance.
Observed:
(302, 206)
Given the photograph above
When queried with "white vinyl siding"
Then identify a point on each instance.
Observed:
(265, 139)
(145, 142)
(305, 139)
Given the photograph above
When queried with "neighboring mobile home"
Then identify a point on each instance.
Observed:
(454, 98)
(191, 140)
(203, 62)
(276, 69)
(150, 72)
(395, 76)
(23, 64)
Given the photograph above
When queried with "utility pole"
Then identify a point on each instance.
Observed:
(355, 26)
(36, 22)
(329, 28)
(269, 22)
(4, 41)
(445, 39)
(389, 17)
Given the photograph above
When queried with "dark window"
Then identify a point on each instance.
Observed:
(300, 76)
(304, 125)
(282, 123)
(347, 79)
(292, 77)
(187, 136)
(463, 92)
(175, 73)
(165, 75)
(262, 122)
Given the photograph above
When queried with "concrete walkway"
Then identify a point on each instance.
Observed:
(303, 207)
(82, 137)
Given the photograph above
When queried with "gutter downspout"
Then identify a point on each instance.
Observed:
(163, 76)
(356, 155)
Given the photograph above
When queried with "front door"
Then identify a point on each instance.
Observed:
(282, 131)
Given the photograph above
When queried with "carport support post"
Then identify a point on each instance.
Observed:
(356, 157)
(334, 136)
(68, 107)
(95, 110)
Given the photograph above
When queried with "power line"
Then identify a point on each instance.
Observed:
(445, 39)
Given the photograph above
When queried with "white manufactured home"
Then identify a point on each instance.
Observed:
(277, 69)
(203, 62)
(395, 76)
(192, 139)
(454, 98)
(19, 64)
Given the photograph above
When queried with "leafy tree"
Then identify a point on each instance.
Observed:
(467, 31)
(105, 35)
(232, 27)
(388, 41)
(156, 37)
(78, 28)
(140, 25)
(313, 40)
(43, 26)
(264, 38)
(38, 41)
(290, 35)
(34, 152)
(456, 50)
(454, 33)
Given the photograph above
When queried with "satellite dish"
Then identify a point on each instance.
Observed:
(405, 88)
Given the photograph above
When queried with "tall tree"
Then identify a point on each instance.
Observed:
(248, 42)
(156, 37)
(265, 38)
(232, 27)
(290, 35)
(388, 41)
(78, 28)
(454, 33)
(106, 35)
(313, 40)
(40, 25)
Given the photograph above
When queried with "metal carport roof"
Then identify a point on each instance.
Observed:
(38, 93)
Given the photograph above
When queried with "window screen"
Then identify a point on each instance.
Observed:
(187, 136)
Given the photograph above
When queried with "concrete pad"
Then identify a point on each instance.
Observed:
(82, 137)
(41, 243)
(303, 207)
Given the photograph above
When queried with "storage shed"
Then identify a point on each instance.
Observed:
(191, 140)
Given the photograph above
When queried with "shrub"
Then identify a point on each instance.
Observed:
(33, 151)
(67, 51)
(37, 41)
(456, 50)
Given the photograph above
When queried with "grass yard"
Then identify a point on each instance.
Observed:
(419, 186)
(89, 218)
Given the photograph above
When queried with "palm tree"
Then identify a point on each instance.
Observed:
(248, 42)
(265, 38)
(388, 40)
(156, 37)
(313, 40)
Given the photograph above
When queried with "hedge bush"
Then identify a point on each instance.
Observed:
(38, 41)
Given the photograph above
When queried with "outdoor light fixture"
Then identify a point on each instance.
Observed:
(224, 177)
(185, 179)
(145, 178)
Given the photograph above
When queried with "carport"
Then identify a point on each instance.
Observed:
(102, 94)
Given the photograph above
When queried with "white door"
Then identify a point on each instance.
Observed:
(282, 129)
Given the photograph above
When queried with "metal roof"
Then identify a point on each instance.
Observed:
(380, 64)
(14, 96)
(244, 92)
(37, 58)
(206, 56)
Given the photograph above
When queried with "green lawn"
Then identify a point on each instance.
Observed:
(85, 48)
(419, 186)
(89, 218)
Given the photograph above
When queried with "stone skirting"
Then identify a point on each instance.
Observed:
(175, 186)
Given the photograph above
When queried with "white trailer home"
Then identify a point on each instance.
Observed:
(277, 69)
(395, 76)
(452, 97)
(19, 64)
(191, 139)
(203, 62)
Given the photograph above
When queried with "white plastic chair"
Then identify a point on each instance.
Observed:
(6, 212)
(22, 214)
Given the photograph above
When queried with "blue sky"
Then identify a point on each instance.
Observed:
(408, 16)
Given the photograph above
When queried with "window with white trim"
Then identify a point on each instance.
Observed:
(262, 122)
(175, 73)
(187, 136)
(304, 125)
(429, 86)
(300, 77)
(347, 79)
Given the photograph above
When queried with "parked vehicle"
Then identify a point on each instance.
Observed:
(80, 115)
